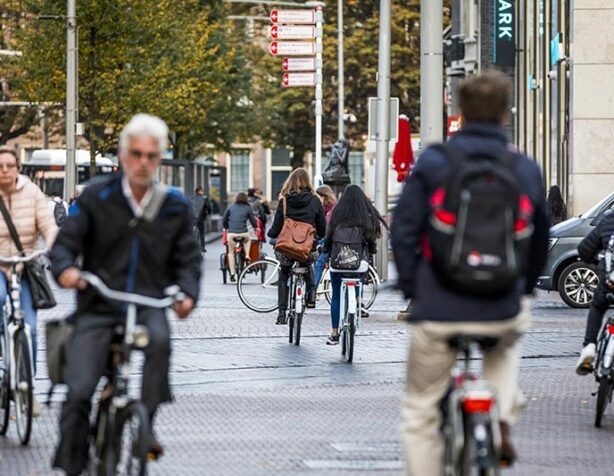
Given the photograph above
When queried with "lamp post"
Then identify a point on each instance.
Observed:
(71, 99)
(340, 70)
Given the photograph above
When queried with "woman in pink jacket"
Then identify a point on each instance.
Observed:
(30, 213)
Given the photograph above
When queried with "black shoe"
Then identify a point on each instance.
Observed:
(332, 340)
(508, 453)
(233, 278)
(311, 300)
(281, 318)
(364, 312)
(154, 448)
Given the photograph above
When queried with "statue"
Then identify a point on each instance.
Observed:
(336, 174)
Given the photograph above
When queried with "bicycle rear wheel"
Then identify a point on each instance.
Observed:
(604, 394)
(5, 390)
(478, 458)
(131, 440)
(348, 338)
(369, 288)
(257, 286)
(23, 394)
(298, 322)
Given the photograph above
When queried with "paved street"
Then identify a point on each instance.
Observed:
(248, 403)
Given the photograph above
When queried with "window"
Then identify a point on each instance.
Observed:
(280, 158)
(239, 171)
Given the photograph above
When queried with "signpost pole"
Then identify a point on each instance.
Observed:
(318, 151)
(341, 75)
(71, 99)
(383, 131)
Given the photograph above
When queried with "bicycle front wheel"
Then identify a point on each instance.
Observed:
(257, 285)
(23, 388)
(604, 394)
(5, 389)
(131, 440)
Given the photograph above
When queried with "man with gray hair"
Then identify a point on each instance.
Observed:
(137, 236)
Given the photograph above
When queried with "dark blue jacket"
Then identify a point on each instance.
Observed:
(431, 300)
(128, 253)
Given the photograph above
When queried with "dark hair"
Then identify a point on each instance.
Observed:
(555, 203)
(251, 192)
(355, 209)
(199, 189)
(241, 198)
(485, 97)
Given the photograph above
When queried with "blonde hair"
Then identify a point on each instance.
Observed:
(327, 194)
(297, 181)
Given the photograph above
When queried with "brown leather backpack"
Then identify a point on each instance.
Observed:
(296, 238)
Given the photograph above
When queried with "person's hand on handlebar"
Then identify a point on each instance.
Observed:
(184, 307)
(71, 279)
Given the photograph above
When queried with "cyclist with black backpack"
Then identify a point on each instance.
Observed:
(469, 238)
(59, 208)
(351, 237)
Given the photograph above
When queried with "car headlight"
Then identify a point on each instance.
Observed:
(551, 243)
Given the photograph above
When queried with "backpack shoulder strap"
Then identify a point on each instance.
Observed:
(159, 193)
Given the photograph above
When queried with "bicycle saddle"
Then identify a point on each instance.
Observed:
(239, 239)
(300, 270)
(363, 268)
(463, 341)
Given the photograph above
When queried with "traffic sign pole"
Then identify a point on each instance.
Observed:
(318, 151)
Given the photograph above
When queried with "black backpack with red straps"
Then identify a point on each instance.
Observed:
(480, 224)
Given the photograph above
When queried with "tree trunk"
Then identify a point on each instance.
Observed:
(298, 156)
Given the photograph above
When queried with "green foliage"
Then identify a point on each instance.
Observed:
(165, 57)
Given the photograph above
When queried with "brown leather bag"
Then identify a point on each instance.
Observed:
(296, 238)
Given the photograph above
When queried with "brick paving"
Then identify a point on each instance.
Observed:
(248, 403)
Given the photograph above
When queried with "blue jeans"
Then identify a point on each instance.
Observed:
(26, 306)
(335, 304)
(318, 269)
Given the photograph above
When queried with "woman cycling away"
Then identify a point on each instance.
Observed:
(329, 200)
(302, 204)
(235, 224)
(355, 225)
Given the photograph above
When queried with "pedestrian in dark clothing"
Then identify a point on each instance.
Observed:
(440, 312)
(201, 209)
(555, 206)
(302, 205)
(136, 236)
(588, 249)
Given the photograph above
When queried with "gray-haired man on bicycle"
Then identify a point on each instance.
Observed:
(137, 236)
(464, 227)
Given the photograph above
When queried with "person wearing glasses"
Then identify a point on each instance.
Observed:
(137, 235)
(30, 213)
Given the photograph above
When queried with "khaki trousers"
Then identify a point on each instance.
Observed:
(428, 378)
(232, 242)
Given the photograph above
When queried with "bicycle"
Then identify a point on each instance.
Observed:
(471, 423)
(120, 434)
(350, 308)
(604, 370)
(240, 260)
(370, 287)
(16, 366)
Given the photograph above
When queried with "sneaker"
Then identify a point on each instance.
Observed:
(37, 409)
(233, 278)
(364, 312)
(154, 449)
(508, 455)
(281, 318)
(311, 300)
(585, 362)
(332, 340)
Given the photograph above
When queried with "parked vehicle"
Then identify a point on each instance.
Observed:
(575, 280)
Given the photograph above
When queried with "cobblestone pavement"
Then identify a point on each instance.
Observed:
(248, 403)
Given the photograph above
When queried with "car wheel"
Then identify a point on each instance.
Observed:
(577, 284)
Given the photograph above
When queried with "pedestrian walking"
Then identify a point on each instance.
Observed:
(235, 222)
(26, 206)
(59, 208)
(136, 235)
(481, 289)
(351, 237)
(589, 249)
(201, 209)
(555, 206)
(298, 202)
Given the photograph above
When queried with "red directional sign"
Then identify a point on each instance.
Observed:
(292, 48)
(291, 80)
(283, 32)
(299, 64)
(293, 17)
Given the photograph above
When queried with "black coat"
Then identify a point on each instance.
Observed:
(305, 207)
(128, 253)
(597, 241)
(432, 300)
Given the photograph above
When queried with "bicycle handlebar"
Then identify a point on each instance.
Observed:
(173, 292)
(22, 259)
